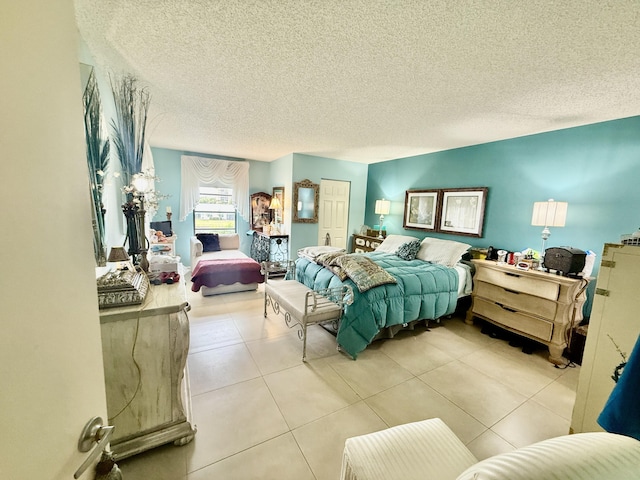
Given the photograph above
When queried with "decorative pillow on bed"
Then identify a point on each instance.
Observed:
(444, 252)
(312, 252)
(409, 250)
(329, 260)
(364, 272)
(393, 242)
(210, 242)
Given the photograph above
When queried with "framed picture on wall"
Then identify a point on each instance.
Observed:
(421, 209)
(463, 211)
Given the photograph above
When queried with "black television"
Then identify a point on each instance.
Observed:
(164, 227)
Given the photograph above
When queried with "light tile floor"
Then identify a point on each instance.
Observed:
(261, 413)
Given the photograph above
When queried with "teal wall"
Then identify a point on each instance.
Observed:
(594, 168)
(317, 168)
(167, 165)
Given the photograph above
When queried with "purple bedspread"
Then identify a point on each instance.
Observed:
(211, 273)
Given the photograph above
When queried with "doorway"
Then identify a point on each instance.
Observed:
(333, 214)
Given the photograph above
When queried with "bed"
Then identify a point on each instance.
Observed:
(218, 266)
(425, 285)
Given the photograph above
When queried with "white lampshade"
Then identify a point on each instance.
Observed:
(275, 204)
(549, 214)
(383, 207)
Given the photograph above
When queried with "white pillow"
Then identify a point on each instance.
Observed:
(444, 252)
(392, 242)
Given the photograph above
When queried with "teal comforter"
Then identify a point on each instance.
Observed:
(424, 291)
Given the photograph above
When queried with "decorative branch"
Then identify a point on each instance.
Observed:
(97, 162)
(129, 126)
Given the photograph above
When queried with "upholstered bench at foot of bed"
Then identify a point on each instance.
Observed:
(303, 306)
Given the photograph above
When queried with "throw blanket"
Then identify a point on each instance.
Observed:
(211, 273)
(422, 291)
(365, 273)
(621, 414)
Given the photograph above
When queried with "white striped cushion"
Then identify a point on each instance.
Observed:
(583, 456)
(414, 451)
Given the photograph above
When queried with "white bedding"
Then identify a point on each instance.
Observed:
(465, 281)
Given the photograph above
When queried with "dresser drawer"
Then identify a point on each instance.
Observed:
(517, 321)
(519, 301)
(362, 244)
(540, 287)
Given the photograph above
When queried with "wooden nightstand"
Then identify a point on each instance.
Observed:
(363, 243)
(538, 305)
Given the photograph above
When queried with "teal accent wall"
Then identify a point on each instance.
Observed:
(595, 168)
(167, 165)
(315, 169)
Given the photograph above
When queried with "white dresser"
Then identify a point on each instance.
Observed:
(145, 349)
(538, 305)
(614, 318)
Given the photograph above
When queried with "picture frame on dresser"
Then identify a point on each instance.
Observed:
(462, 211)
(421, 209)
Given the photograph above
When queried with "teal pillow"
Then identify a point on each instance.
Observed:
(408, 250)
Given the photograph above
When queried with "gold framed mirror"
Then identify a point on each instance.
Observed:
(305, 201)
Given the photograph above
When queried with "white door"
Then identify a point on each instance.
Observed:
(50, 350)
(333, 214)
(614, 324)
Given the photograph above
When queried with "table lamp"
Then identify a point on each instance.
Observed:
(548, 214)
(276, 206)
(119, 254)
(382, 208)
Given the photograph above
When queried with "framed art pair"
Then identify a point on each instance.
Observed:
(459, 211)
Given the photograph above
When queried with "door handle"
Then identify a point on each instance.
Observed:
(94, 435)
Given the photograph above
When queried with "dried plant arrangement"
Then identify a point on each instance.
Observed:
(98, 163)
(129, 126)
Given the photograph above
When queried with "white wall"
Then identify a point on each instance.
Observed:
(50, 351)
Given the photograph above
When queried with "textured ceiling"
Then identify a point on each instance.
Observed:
(367, 80)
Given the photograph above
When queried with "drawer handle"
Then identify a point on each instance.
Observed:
(512, 274)
(506, 308)
(511, 291)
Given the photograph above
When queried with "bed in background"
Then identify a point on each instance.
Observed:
(218, 266)
(427, 281)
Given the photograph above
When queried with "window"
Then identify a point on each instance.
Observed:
(215, 213)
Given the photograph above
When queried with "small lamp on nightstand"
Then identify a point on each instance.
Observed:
(548, 214)
(120, 255)
(276, 206)
(382, 208)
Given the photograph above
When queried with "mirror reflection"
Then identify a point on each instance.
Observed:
(305, 201)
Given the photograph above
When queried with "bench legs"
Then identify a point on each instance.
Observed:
(321, 306)
(290, 321)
